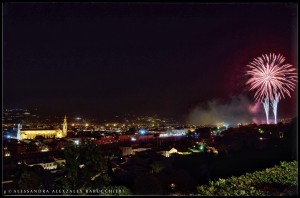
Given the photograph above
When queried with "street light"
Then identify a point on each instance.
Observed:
(172, 185)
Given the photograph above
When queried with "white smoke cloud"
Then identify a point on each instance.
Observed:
(238, 109)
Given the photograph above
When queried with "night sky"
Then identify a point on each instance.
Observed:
(109, 59)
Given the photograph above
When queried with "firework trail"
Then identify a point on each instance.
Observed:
(272, 80)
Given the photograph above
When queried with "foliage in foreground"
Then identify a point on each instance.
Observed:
(266, 182)
(87, 169)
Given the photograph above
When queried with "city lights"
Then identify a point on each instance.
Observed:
(132, 138)
(76, 142)
(46, 149)
(142, 131)
(260, 131)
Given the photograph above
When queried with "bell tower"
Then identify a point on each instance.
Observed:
(64, 130)
(19, 127)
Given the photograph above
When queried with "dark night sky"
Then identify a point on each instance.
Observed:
(109, 59)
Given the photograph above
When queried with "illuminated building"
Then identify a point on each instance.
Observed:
(174, 132)
(49, 164)
(33, 133)
(105, 140)
(168, 153)
(131, 151)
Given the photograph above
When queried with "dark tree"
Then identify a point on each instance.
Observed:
(85, 168)
(30, 180)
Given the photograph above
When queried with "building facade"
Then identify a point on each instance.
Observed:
(33, 133)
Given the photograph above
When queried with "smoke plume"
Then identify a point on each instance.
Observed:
(238, 109)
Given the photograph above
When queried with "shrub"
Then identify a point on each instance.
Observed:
(258, 183)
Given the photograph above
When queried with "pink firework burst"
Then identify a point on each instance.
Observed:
(270, 77)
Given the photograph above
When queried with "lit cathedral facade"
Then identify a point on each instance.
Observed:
(33, 133)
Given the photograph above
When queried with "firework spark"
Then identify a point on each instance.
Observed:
(271, 79)
(269, 76)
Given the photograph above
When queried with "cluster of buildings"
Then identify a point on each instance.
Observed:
(15, 115)
(129, 139)
(28, 140)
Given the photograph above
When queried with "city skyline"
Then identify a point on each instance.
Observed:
(107, 59)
